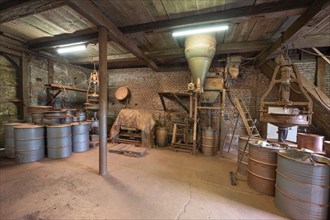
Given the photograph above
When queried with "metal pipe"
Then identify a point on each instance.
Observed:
(103, 99)
(195, 125)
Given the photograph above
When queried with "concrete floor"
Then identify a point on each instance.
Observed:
(161, 185)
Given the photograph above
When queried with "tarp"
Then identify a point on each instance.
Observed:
(133, 118)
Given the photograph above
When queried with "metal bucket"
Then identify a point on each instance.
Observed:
(262, 168)
(209, 147)
(37, 118)
(9, 141)
(326, 147)
(241, 145)
(59, 141)
(80, 136)
(310, 141)
(161, 136)
(302, 186)
(29, 143)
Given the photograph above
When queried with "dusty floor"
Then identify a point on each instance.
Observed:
(163, 184)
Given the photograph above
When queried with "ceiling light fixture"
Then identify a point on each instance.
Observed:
(71, 49)
(200, 30)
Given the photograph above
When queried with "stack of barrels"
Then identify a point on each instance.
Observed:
(28, 142)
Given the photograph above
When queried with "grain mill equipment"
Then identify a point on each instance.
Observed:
(92, 96)
(292, 113)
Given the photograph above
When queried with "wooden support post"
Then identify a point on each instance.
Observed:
(103, 100)
(320, 73)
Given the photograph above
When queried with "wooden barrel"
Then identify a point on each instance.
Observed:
(59, 141)
(302, 186)
(310, 141)
(262, 168)
(29, 143)
(161, 136)
(209, 147)
(241, 144)
(9, 140)
(80, 136)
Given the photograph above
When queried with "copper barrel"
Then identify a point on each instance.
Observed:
(302, 186)
(326, 147)
(59, 141)
(310, 141)
(29, 143)
(9, 141)
(262, 168)
(80, 136)
(209, 147)
(161, 136)
(241, 145)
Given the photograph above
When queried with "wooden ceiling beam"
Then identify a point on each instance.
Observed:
(90, 11)
(294, 30)
(282, 8)
(16, 9)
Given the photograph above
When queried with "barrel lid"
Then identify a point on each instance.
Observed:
(58, 125)
(14, 123)
(251, 138)
(81, 123)
(122, 93)
(310, 135)
(28, 126)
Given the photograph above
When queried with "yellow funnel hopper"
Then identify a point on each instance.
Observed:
(199, 51)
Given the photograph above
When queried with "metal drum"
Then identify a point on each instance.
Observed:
(59, 143)
(29, 143)
(262, 168)
(161, 136)
(310, 141)
(209, 147)
(37, 118)
(80, 136)
(241, 145)
(9, 141)
(302, 186)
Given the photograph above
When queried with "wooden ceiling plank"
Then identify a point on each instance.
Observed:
(25, 8)
(276, 9)
(315, 9)
(92, 13)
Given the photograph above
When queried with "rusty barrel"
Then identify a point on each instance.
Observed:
(161, 136)
(262, 168)
(29, 143)
(80, 136)
(59, 143)
(241, 144)
(302, 186)
(209, 147)
(9, 140)
(310, 141)
(326, 147)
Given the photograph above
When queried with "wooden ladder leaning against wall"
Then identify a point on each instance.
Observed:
(248, 122)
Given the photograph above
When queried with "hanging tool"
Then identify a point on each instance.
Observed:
(233, 176)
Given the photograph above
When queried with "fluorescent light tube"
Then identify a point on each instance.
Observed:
(199, 30)
(71, 49)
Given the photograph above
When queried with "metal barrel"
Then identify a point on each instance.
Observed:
(161, 136)
(310, 141)
(209, 147)
(29, 143)
(9, 141)
(37, 118)
(59, 141)
(302, 186)
(241, 145)
(262, 168)
(80, 136)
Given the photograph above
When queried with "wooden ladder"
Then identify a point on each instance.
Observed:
(246, 118)
(248, 122)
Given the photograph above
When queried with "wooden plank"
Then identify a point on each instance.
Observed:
(320, 74)
(92, 13)
(20, 9)
(58, 86)
(322, 55)
(268, 10)
(293, 30)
